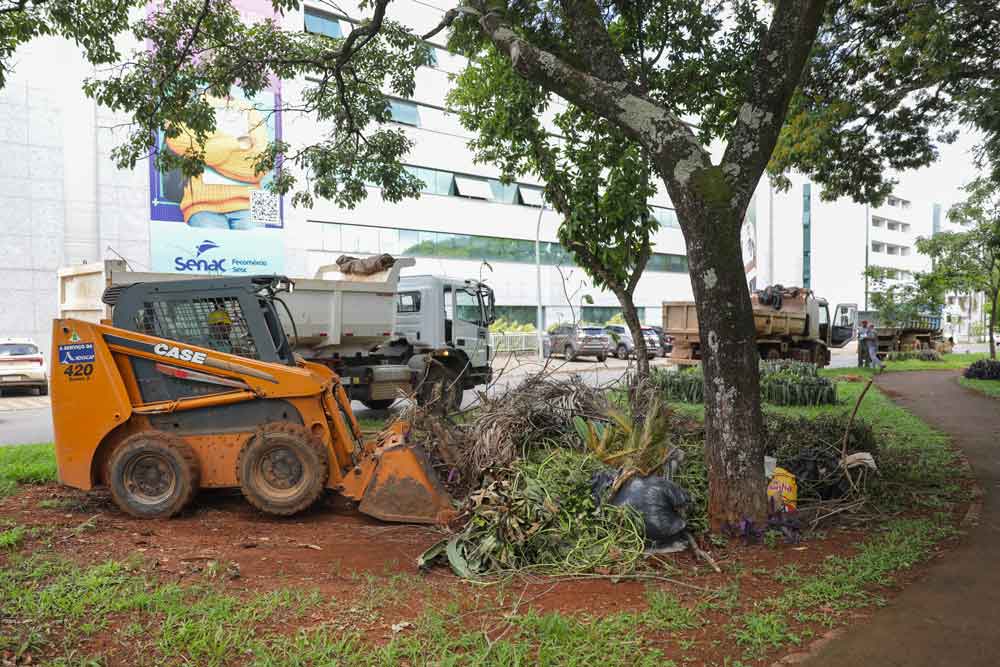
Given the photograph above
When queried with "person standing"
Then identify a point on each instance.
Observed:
(871, 344)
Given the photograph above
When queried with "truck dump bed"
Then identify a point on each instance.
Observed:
(680, 320)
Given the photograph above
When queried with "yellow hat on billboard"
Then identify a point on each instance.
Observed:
(219, 317)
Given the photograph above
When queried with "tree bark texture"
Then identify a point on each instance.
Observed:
(631, 317)
(993, 323)
(734, 430)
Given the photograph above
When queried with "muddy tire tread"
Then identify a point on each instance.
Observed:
(296, 431)
(191, 470)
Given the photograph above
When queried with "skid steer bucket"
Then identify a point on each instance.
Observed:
(402, 486)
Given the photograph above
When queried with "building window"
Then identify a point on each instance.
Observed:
(321, 23)
(904, 227)
(505, 194)
(404, 112)
(665, 216)
(878, 247)
(416, 243)
(531, 195)
(436, 182)
(904, 251)
(474, 188)
(877, 222)
(893, 226)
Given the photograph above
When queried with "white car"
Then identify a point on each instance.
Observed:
(22, 365)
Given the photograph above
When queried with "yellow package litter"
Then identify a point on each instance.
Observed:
(783, 491)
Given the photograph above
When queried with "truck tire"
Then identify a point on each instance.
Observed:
(282, 469)
(379, 404)
(153, 475)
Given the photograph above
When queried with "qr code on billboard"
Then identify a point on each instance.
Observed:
(264, 208)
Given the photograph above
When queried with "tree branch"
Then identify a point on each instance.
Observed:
(784, 50)
(675, 150)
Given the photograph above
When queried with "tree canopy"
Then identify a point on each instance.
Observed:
(969, 260)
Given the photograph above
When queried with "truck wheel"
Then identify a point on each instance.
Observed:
(569, 353)
(380, 404)
(601, 358)
(621, 352)
(43, 390)
(282, 469)
(153, 475)
(773, 354)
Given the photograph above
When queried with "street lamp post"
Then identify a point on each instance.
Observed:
(538, 282)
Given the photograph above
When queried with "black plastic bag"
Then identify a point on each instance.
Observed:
(661, 503)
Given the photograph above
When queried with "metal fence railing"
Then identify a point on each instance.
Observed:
(502, 341)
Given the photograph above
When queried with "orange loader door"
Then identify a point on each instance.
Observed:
(89, 398)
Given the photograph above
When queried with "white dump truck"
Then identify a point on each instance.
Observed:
(385, 336)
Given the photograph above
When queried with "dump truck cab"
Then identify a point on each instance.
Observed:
(194, 385)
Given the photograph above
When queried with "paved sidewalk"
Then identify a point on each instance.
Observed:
(952, 615)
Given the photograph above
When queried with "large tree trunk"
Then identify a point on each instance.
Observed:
(631, 316)
(734, 428)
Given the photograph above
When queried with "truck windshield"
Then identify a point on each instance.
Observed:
(468, 307)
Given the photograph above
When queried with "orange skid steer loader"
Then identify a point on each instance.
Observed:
(194, 385)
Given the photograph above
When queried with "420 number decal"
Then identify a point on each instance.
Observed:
(79, 371)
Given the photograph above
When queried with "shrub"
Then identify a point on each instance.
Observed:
(984, 369)
(919, 355)
(686, 386)
(782, 382)
(789, 436)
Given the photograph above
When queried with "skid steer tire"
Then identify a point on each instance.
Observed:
(282, 469)
(153, 475)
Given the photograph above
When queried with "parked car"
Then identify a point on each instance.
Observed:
(623, 344)
(578, 341)
(22, 365)
(666, 341)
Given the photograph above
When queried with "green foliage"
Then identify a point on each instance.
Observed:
(502, 325)
(26, 464)
(89, 24)
(901, 302)
(969, 260)
(782, 382)
(11, 538)
(627, 439)
(882, 74)
(543, 519)
(908, 355)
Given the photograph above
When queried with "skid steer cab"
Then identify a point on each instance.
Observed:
(194, 385)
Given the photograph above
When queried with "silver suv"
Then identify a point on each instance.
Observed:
(623, 345)
(579, 341)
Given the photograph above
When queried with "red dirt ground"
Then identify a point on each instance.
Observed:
(347, 556)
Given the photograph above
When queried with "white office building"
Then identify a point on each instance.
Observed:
(64, 202)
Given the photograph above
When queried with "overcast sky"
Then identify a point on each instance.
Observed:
(941, 182)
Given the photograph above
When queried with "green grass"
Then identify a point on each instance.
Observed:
(26, 464)
(989, 387)
(948, 362)
(62, 607)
